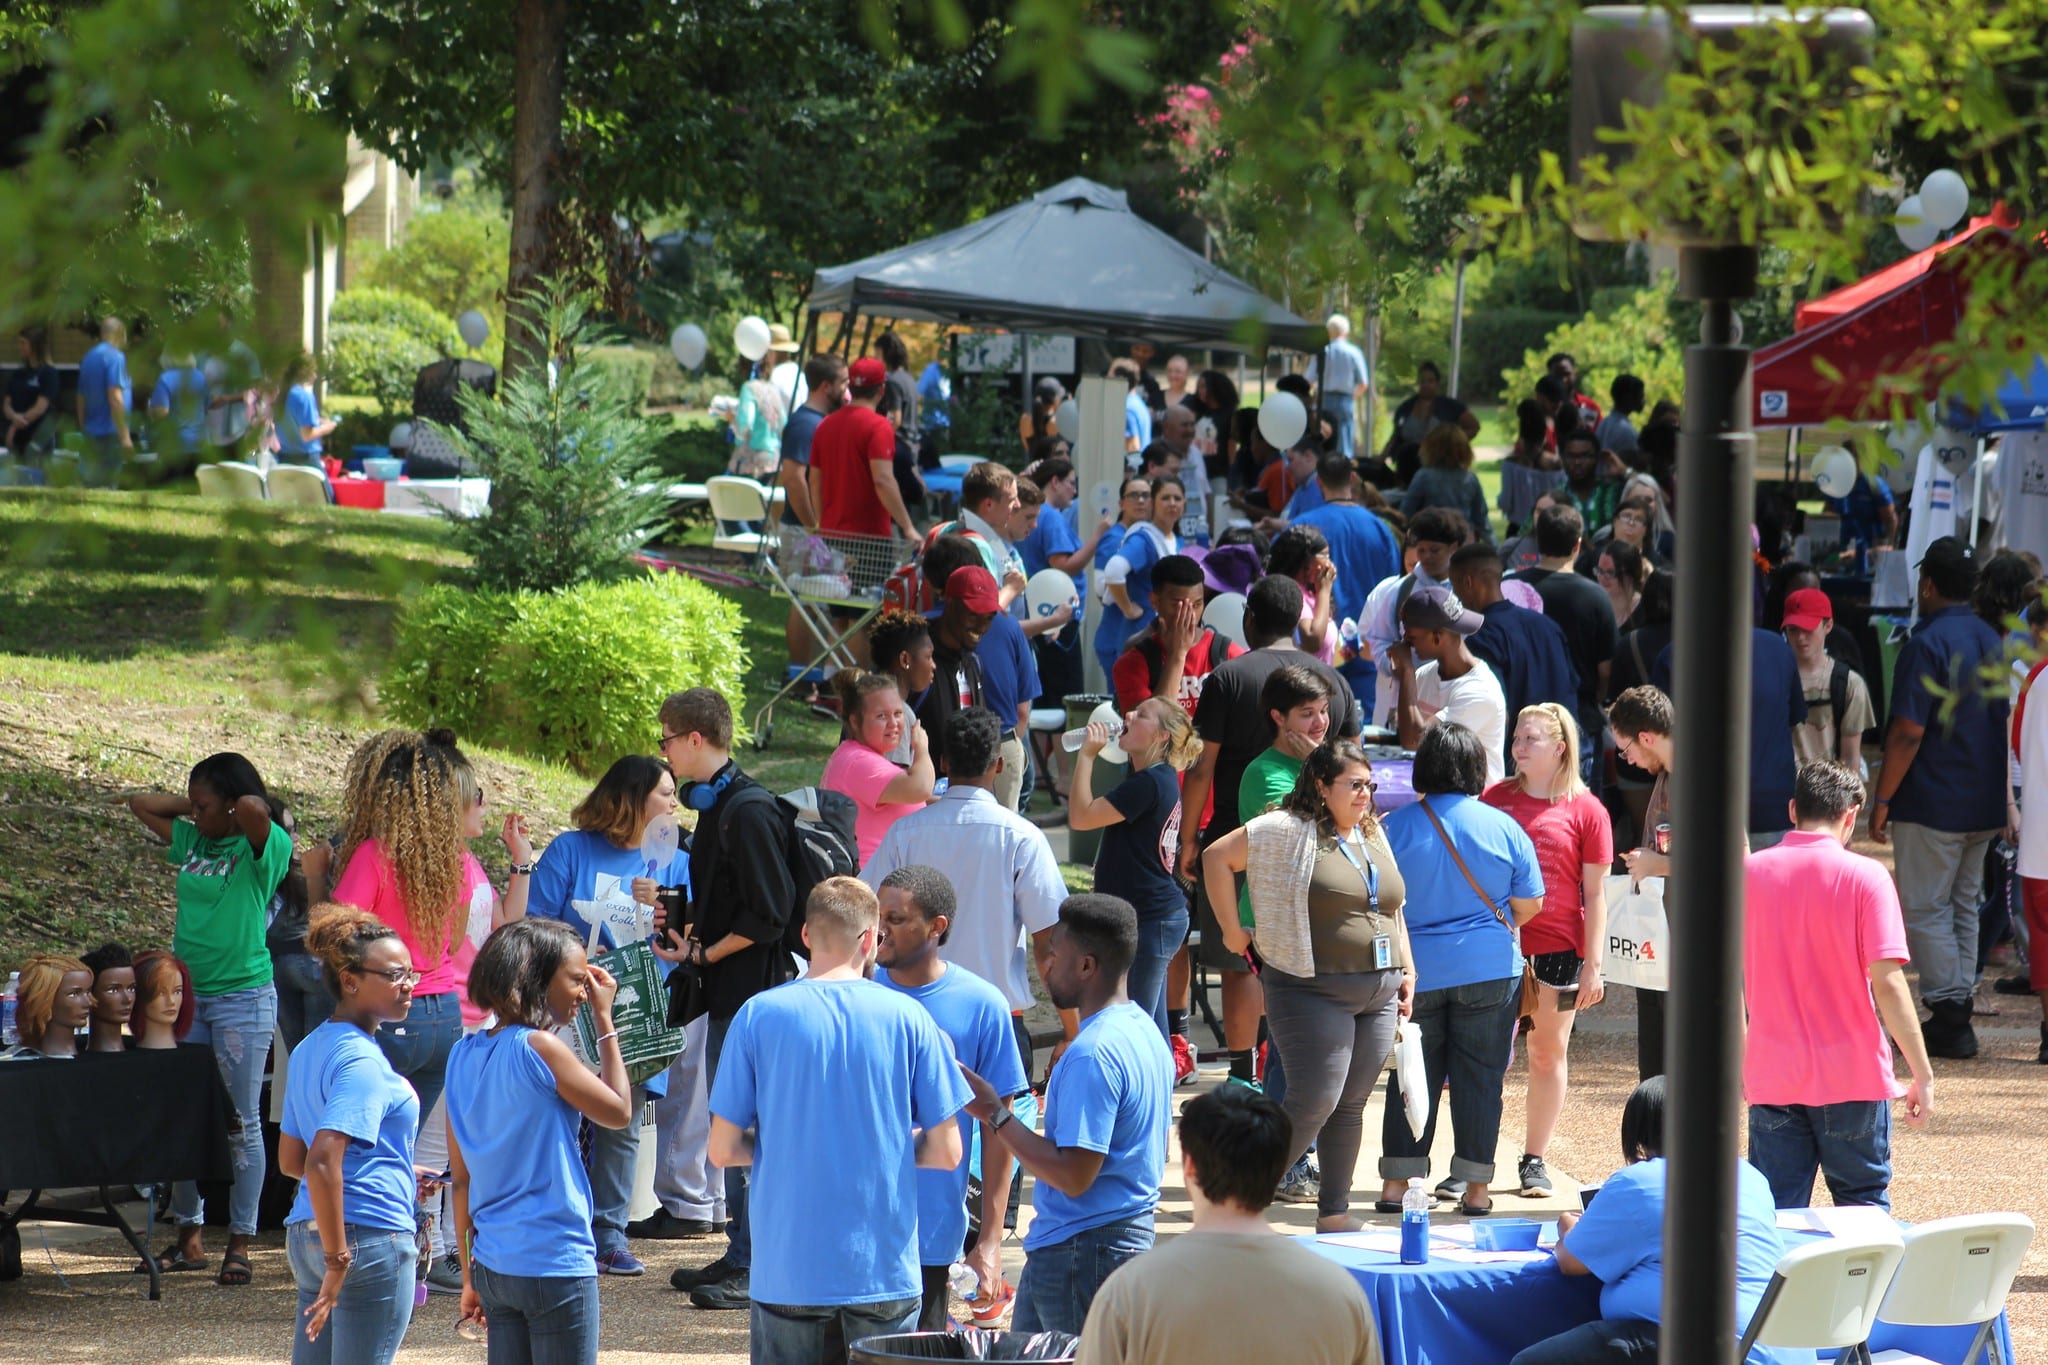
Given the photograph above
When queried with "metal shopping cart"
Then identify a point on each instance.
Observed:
(822, 570)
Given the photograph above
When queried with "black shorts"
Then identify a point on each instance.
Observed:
(1557, 969)
(1211, 952)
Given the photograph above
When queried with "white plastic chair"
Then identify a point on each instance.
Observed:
(1825, 1296)
(734, 499)
(1957, 1273)
(231, 479)
(297, 484)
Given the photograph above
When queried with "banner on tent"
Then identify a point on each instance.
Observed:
(996, 353)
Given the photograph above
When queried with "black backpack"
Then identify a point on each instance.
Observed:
(817, 848)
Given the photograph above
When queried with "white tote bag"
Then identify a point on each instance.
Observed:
(1408, 1067)
(1638, 935)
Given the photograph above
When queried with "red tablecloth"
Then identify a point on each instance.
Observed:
(367, 493)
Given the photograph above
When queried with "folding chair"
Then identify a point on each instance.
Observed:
(1957, 1273)
(735, 500)
(232, 479)
(297, 484)
(1825, 1296)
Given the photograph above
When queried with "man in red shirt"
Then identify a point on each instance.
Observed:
(853, 476)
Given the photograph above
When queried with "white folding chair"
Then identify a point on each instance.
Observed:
(1825, 1296)
(1956, 1273)
(733, 500)
(298, 484)
(231, 479)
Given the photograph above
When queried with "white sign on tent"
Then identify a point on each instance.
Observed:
(997, 352)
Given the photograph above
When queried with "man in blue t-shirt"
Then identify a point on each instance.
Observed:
(180, 398)
(1108, 1108)
(1941, 795)
(917, 914)
(836, 1090)
(1869, 515)
(105, 399)
(1363, 547)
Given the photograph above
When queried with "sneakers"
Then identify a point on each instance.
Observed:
(663, 1226)
(686, 1279)
(620, 1262)
(446, 1275)
(2014, 985)
(1450, 1187)
(990, 1313)
(1302, 1184)
(1535, 1178)
(1949, 1034)
(729, 1293)
(1250, 1085)
(1183, 1059)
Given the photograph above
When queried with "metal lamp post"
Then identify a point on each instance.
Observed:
(1619, 57)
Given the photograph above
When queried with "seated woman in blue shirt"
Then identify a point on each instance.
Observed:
(1127, 578)
(348, 1131)
(516, 1094)
(1619, 1240)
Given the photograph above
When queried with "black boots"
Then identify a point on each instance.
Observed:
(1949, 1033)
(2042, 1057)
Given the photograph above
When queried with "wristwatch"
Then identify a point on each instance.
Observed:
(1002, 1116)
(522, 870)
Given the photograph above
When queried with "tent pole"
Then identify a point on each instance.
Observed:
(1977, 496)
(845, 325)
(867, 334)
(1024, 365)
(1457, 325)
(1792, 457)
(1372, 370)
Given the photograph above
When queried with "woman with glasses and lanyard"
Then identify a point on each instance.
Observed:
(1326, 901)
(1472, 878)
(349, 1126)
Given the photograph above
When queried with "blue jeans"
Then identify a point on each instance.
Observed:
(1849, 1143)
(538, 1319)
(1059, 1281)
(811, 1334)
(1158, 940)
(1618, 1342)
(418, 1045)
(1342, 409)
(303, 1000)
(1467, 1034)
(238, 1026)
(374, 1305)
(614, 1159)
(739, 1250)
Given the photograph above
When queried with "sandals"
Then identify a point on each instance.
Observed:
(1386, 1206)
(171, 1260)
(1468, 1211)
(235, 1270)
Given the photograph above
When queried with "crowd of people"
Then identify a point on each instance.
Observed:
(858, 1095)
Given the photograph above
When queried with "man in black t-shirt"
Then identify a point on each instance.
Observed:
(31, 396)
(1584, 613)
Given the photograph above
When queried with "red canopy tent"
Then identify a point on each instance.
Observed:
(1838, 368)
(1850, 297)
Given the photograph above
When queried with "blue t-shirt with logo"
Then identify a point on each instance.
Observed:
(975, 1018)
(1111, 1093)
(529, 1195)
(339, 1081)
(833, 1076)
(1456, 938)
(104, 367)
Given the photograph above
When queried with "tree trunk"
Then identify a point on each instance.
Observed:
(538, 72)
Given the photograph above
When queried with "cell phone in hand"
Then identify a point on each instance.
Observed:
(1568, 1000)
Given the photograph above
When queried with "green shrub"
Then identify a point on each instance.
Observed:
(692, 451)
(456, 259)
(1496, 339)
(576, 676)
(401, 312)
(630, 368)
(1628, 331)
(374, 361)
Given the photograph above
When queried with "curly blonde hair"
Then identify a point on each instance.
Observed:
(407, 790)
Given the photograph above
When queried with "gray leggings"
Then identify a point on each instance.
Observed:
(1334, 1033)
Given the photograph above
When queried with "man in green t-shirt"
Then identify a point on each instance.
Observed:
(1298, 700)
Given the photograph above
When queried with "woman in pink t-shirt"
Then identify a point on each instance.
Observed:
(1564, 944)
(1302, 554)
(860, 767)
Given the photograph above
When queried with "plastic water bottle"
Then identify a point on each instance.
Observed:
(1072, 740)
(964, 1281)
(9, 1001)
(1349, 643)
(1415, 1223)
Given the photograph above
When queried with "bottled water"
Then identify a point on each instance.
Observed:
(964, 1281)
(1415, 1223)
(1072, 740)
(8, 1003)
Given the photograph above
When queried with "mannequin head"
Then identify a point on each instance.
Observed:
(113, 994)
(163, 1000)
(55, 1003)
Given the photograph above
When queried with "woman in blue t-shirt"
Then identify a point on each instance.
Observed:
(349, 1126)
(585, 880)
(516, 1094)
(1140, 821)
(301, 431)
(1127, 577)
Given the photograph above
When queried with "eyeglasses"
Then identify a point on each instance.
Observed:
(1623, 746)
(1608, 575)
(397, 976)
(1139, 495)
(667, 740)
(1358, 786)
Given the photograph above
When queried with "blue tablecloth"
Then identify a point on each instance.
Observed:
(942, 480)
(1450, 1313)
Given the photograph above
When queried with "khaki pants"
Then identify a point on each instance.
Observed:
(1010, 783)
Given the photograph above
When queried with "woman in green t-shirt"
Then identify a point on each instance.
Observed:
(231, 855)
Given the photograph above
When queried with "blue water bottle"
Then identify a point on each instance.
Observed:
(1415, 1224)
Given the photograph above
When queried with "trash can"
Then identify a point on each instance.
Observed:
(971, 1344)
(1082, 845)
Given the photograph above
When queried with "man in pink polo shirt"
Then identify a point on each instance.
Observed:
(1822, 960)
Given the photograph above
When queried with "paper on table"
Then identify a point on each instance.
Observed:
(1450, 1244)
(1855, 1218)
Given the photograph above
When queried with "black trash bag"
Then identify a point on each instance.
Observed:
(1058, 1348)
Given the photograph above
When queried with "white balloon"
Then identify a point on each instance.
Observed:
(1834, 472)
(474, 327)
(1068, 418)
(1915, 230)
(751, 337)
(400, 437)
(1225, 616)
(689, 344)
(1282, 419)
(1945, 197)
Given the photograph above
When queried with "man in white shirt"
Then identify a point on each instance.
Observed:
(1434, 534)
(1342, 374)
(1452, 683)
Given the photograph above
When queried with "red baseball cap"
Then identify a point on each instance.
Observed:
(974, 587)
(866, 373)
(1807, 608)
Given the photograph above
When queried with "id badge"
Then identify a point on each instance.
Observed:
(1382, 952)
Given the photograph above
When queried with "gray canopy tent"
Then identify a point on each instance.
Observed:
(1074, 260)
